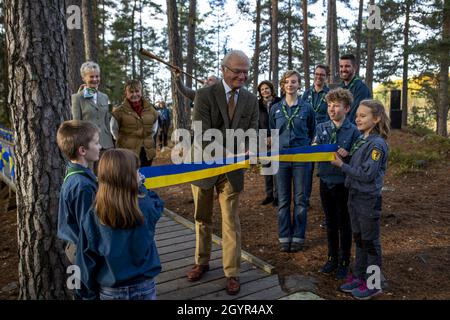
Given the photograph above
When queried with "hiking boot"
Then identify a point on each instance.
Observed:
(275, 202)
(284, 247)
(342, 270)
(350, 284)
(364, 293)
(296, 247)
(330, 266)
(267, 200)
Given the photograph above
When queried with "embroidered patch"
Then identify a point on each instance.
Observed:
(376, 154)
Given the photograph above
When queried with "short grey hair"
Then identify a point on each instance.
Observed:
(234, 53)
(89, 66)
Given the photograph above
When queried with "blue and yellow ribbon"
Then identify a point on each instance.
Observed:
(168, 175)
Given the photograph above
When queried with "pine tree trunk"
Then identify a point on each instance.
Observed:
(289, 39)
(255, 60)
(179, 115)
(332, 42)
(39, 101)
(90, 44)
(191, 40)
(76, 55)
(359, 35)
(370, 56)
(442, 114)
(405, 66)
(192, 21)
(274, 41)
(133, 40)
(305, 43)
(141, 37)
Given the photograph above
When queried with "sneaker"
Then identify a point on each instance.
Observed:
(364, 293)
(350, 284)
(329, 267)
(296, 247)
(284, 247)
(342, 270)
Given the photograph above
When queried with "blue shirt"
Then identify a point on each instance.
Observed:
(301, 131)
(360, 92)
(367, 167)
(165, 115)
(318, 102)
(75, 199)
(119, 257)
(346, 135)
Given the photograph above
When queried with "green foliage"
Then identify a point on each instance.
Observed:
(430, 148)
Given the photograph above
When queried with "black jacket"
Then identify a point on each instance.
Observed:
(264, 114)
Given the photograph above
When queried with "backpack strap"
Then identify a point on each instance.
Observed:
(72, 171)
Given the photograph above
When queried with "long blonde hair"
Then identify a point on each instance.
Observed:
(116, 202)
(377, 108)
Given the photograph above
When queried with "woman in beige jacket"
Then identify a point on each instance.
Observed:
(134, 123)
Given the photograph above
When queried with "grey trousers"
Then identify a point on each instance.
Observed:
(365, 214)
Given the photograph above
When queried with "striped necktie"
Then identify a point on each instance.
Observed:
(231, 104)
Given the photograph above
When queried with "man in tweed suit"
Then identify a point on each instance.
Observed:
(224, 105)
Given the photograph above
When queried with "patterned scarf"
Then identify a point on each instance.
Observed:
(358, 144)
(290, 119)
(89, 93)
(137, 106)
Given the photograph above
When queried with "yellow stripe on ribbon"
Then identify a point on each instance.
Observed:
(173, 179)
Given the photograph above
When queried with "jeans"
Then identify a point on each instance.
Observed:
(145, 290)
(291, 173)
(309, 182)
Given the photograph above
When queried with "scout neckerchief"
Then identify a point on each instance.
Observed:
(321, 99)
(89, 93)
(358, 144)
(290, 119)
(71, 171)
(334, 132)
(351, 84)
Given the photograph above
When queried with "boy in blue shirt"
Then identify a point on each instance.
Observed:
(333, 193)
(79, 142)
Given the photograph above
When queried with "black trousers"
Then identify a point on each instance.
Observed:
(339, 230)
(164, 134)
(143, 159)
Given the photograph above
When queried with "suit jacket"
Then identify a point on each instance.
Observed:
(211, 108)
(86, 109)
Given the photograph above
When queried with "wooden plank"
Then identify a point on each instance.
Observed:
(182, 272)
(188, 261)
(183, 289)
(177, 247)
(174, 234)
(172, 241)
(170, 229)
(166, 223)
(164, 219)
(268, 294)
(181, 254)
(247, 287)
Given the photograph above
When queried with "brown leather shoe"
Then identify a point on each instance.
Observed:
(197, 272)
(233, 286)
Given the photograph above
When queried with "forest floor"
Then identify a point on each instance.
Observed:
(415, 233)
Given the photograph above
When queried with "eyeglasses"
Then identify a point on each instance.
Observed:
(320, 74)
(238, 72)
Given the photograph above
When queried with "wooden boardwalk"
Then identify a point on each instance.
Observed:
(175, 238)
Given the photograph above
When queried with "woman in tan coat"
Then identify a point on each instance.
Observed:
(134, 123)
